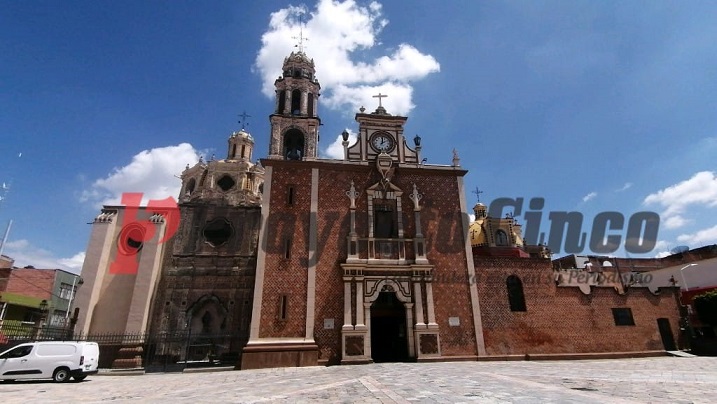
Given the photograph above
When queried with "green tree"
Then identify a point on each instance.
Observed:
(706, 307)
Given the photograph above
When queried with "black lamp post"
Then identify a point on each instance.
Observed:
(43, 314)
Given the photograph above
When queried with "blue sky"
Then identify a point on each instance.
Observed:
(594, 106)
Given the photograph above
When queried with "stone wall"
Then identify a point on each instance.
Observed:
(563, 319)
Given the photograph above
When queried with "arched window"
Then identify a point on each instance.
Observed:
(516, 298)
(296, 102)
(294, 145)
(501, 238)
(282, 102)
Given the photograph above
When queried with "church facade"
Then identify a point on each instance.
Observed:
(299, 260)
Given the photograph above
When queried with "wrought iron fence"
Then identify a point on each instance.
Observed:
(162, 351)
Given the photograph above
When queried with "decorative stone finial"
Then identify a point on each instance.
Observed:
(456, 159)
(352, 194)
(415, 197)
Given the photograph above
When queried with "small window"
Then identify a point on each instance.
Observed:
(516, 298)
(226, 183)
(290, 196)
(287, 248)
(501, 238)
(283, 306)
(623, 316)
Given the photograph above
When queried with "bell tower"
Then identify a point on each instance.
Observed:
(295, 122)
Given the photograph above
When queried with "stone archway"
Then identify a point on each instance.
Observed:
(389, 320)
(389, 337)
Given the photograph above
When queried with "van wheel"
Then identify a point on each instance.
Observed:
(61, 375)
(79, 378)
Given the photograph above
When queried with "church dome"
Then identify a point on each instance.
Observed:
(298, 57)
(477, 233)
(243, 135)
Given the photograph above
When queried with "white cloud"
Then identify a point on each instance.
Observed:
(74, 262)
(337, 32)
(151, 172)
(589, 196)
(625, 187)
(24, 253)
(336, 149)
(675, 222)
(702, 237)
(701, 189)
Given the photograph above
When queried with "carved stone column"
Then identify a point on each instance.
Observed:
(359, 303)
(429, 305)
(367, 310)
(347, 304)
(409, 331)
(420, 319)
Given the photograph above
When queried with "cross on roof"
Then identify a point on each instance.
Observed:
(477, 192)
(243, 117)
(301, 38)
(379, 96)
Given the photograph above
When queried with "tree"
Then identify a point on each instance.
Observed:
(706, 307)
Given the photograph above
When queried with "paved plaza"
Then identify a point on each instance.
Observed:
(664, 379)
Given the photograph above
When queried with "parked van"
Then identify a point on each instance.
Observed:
(58, 360)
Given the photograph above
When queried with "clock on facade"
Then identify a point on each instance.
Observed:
(382, 142)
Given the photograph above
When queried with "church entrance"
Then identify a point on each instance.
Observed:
(389, 342)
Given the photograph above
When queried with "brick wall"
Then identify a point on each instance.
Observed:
(563, 319)
(36, 283)
(286, 276)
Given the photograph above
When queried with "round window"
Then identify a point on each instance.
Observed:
(218, 232)
(131, 239)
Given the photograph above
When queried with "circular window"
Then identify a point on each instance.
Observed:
(218, 232)
(226, 183)
(131, 239)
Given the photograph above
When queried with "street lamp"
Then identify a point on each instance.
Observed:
(682, 274)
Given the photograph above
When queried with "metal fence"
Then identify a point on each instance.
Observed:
(159, 352)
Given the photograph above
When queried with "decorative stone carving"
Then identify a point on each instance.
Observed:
(415, 197)
(352, 194)
(428, 344)
(354, 345)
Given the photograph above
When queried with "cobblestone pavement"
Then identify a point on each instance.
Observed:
(664, 379)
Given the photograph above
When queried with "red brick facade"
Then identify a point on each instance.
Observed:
(563, 319)
(31, 282)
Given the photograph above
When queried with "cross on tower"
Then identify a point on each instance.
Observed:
(301, 37)
(243, 121)
(477, 192)
(379, 96)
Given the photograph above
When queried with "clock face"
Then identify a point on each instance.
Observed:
(381, 142)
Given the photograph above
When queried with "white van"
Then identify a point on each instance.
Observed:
(58, 360)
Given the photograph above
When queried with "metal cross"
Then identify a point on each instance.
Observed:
(379, 96)
(478, 192)
(243, 117)
(301, 37)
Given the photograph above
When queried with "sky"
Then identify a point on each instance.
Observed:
(595, 107)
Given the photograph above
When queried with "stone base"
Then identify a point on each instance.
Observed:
(260, 355)
(128, 357)
(428, 344)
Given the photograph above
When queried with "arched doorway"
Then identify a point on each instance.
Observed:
(389, 337)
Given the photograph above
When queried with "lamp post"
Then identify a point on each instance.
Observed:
(682, 274)
(76, 282)
(43, 313)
